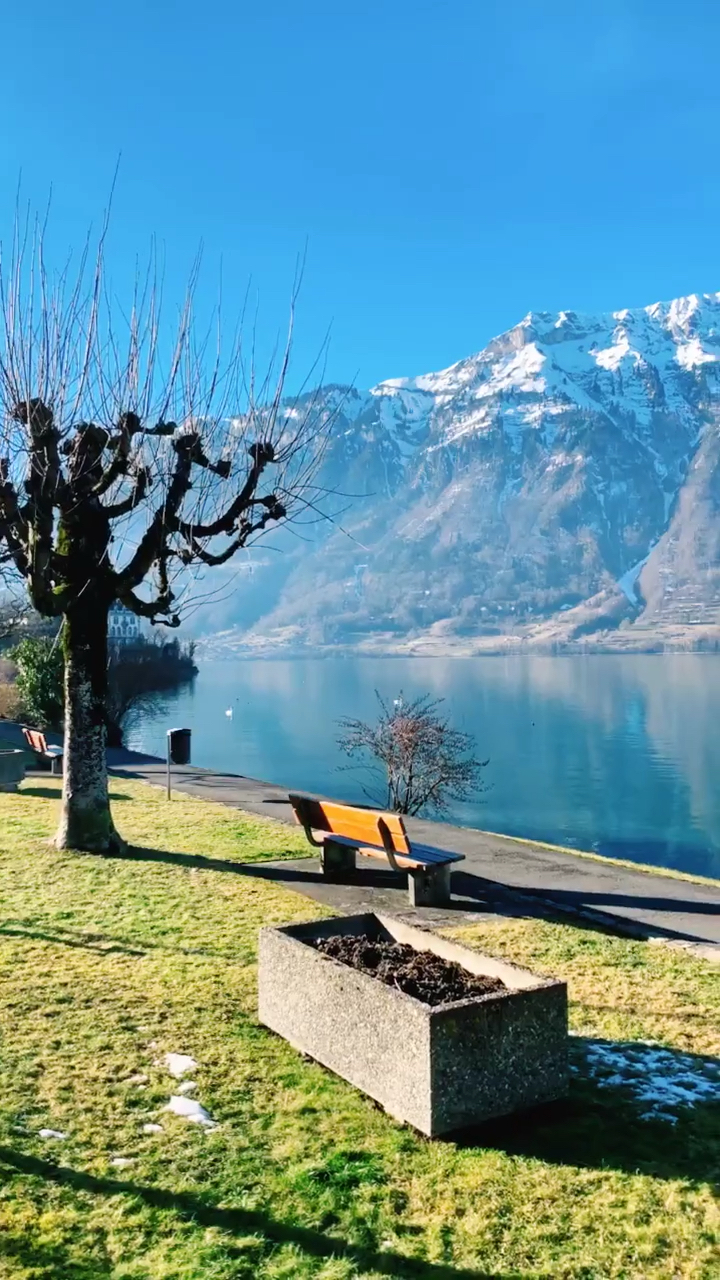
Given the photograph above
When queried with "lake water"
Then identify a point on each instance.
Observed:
(614, 753)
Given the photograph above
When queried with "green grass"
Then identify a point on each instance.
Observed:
(107, 964)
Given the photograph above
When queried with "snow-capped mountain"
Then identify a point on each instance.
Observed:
(562, 484)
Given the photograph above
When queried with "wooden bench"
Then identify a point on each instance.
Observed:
(38, 743)
(345, 831)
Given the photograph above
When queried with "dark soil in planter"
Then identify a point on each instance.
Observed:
(421, 974)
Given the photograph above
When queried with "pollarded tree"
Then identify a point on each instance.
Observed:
(121, 476)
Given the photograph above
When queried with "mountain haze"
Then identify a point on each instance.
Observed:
(560, 488)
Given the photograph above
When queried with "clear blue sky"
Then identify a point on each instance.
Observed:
(451, 164)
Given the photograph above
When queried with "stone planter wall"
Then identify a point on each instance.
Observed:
(440, 1069)
(12, 769)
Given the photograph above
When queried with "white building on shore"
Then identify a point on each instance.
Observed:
(124, 626)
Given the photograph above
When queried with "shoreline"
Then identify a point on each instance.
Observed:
(210, 650)
(648, 868)
(607, 892)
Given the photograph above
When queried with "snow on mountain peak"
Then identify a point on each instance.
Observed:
(565, 474)
(613, 356)
(614, 362)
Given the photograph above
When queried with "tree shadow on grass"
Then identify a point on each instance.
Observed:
(468, 889)
(103, 944)
(628, 1108)
(198, 861)
(53, 793)
(240, 1222)
(95, 942)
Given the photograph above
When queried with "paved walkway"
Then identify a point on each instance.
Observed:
(498, 871)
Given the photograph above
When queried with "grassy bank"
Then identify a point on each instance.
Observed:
(108, 965)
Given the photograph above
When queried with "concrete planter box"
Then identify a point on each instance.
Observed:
(12, 769)
(439, 1068)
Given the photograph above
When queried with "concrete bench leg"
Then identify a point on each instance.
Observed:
(336, 860)
(56, 765)
(429, 886)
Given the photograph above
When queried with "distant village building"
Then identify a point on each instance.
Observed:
(123, 625)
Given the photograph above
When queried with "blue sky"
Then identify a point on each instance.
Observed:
(450, 165)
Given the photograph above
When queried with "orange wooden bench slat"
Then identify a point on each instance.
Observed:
(36, 739)
(353, 824)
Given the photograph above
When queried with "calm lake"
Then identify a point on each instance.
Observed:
(619, 754)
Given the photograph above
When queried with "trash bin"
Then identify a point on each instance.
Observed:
(179, 746)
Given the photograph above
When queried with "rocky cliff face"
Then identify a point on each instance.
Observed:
(559, 487)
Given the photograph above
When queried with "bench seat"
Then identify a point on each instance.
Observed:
(345, 831)
(423, 855)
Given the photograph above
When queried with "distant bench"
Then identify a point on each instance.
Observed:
(345, 831)
(38, 743)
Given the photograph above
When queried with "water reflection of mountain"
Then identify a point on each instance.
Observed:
(616, 753)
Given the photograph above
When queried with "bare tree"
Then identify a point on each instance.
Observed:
(422, 761)
(15, 615)
(132, 456)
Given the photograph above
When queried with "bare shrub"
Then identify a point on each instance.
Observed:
(414, 760)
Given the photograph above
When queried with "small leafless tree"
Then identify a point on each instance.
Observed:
(132, 456)
(422, 761)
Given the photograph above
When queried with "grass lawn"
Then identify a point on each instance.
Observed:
(106, 965)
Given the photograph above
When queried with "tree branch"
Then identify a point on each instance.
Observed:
(275, 511)
(156, 610)
(121, 444)
(261, 455)
(116, 509)
(46, 488)
(165, 520)
(13, 526)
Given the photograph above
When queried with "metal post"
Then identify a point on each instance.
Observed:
(178, 751)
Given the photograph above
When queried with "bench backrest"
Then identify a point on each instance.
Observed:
(35, 739)
(367, 826)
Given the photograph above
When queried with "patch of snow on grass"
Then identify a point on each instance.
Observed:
(51, 1133)
(661, 1080)
(190, 1109)
(187, 1086)
(178, 1064)
(152, 1128)
(122, 1162)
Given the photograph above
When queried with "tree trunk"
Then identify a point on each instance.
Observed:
(86, 821)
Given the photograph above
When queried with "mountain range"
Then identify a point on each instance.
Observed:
(558, 490)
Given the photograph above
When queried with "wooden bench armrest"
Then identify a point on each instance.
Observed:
(401, 860)
(388, 847)
(299, 808)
